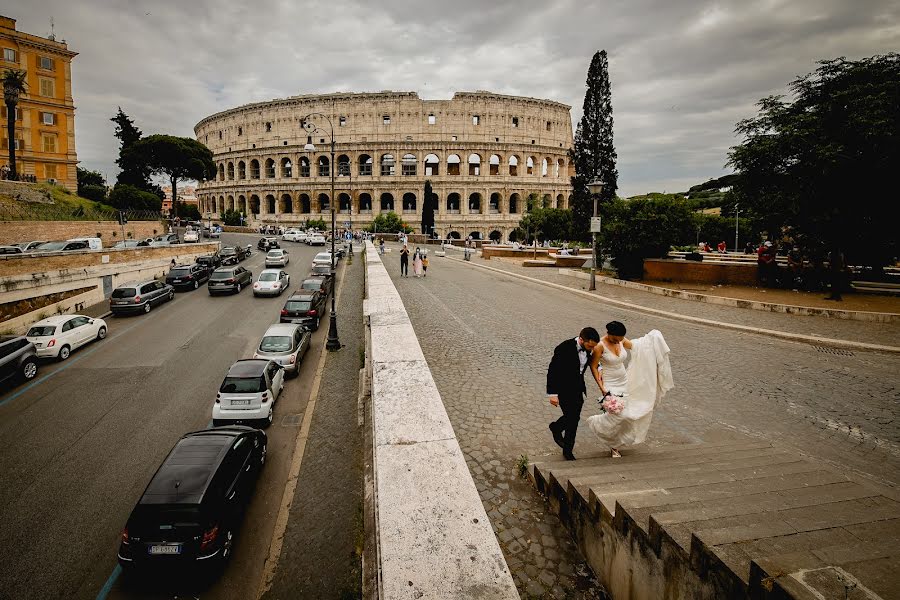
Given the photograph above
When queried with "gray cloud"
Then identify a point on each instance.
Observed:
(682, 73)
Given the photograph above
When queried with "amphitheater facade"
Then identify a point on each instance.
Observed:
(485, 155)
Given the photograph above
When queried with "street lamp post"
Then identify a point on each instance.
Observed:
(595, 188)
(333, 343)
(736, 213)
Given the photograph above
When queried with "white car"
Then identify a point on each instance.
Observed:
(277, 258)
(248, 392)
(322, 258)
(191, 235)
(57, 336)
(316, 239)
(271, 282)
(291, 235)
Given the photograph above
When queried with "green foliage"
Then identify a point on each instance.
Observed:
(594, 153)
(133, 172)
(643, 228)
(389, 222)
(522, 465)
(177, 158)
(128, 197)
(823, 162)
(716, 228)
(86, 177)
(15, 83)
(231, 217)
(187, 211)
(319, 224)
(97, 193)
(548, 223)
(713, 185)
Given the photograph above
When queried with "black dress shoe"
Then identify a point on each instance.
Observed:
(557, 436)
(568, 455)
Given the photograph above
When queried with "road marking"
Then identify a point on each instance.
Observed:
(287, 498)
(107, 587)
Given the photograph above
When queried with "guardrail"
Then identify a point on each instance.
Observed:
(34, 211)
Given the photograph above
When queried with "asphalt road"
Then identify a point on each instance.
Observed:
(78, 445)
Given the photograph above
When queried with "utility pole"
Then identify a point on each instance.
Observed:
(736, 213)
(595, 188)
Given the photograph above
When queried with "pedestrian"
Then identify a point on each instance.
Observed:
(424, 264)
(722, 247)
(404, 261)
(766, 269)
(173, 263)
(381, 245)
(565, 386)
(748, 249)
(836, 271)
(417, 262)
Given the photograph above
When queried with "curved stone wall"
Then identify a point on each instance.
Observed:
(485, 155)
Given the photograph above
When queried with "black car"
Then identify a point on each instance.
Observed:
(18, 359)
(304, 308)
(171, 238)
(318, 283)
(210, 261)
(232, 255)
(140, 296)
(229, 279)
(188, 276)
(267, 243)
(193, 506)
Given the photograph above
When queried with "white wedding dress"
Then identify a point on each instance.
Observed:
(643, 384)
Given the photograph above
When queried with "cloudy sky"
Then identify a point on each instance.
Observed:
(683, 72)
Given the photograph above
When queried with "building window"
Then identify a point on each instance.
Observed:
(408, 166)
(9, 55)
(387, 165)
(48, 142)
(46, 63)
(515, 121)
(342, 121)
(50, 171)
(48, 87)
(48, 118)
(452, 138)
(19, 144)
(3, 114)
(549, 125)
(220, 135)
(476, 120)
(240, 131)
(386, 120)
(432, 119)
(268, 127)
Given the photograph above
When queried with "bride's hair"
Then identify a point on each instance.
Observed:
(615, 328)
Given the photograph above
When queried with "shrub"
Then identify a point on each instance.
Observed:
(97, 193)
(128, 197)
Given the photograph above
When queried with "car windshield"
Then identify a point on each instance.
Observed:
(179, 272)
(311, 284)
(296, 305)
(274, 254)
(41, 331)
(268, 276)
(275, 343)
(156, 518)
(222, 275)
(52, 246)
(243, 385)
(228, 251)
(124, 293)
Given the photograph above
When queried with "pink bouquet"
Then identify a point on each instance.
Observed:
(613, 404)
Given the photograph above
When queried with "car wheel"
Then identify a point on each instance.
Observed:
(29, 369)
(217, 423)
(172, 295)
(196, 284)
(147, 307)
(64, 353)
(101, 334)
(268, 420)
(227, 545)
(316, 328)
(262, 456)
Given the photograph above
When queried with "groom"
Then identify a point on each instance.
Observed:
(565, 385)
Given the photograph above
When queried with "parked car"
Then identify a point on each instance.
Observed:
(232, 255)
(304, 308)
(29, 246)
(266, 243)
(18, 359)
(210, 261)
(141, 296)
(192, 508)
(286, 344)
(188, 276)
(248, 392)
(191, 235)
(172, 238)
(271, 282)
(320, 269)
(322, 258)
(229, 279)
(10, 250)
(212, 232)
(277, 258)
(93, 243)
(319, 283)
(59, 335)
(316, 239)
(61, 246)
(130, 244)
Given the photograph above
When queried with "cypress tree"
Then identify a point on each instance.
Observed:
(132, 172)
(428, 206)
(594, 153)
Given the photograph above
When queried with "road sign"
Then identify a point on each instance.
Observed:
(595, 224)
(347, 224)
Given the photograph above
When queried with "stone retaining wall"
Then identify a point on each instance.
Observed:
(689, 271)
(109, 232)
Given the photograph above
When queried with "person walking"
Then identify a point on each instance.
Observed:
(404, 261)
(381, 245)
(424, 264)
(836, 269)
(417, 263)
(565, 386)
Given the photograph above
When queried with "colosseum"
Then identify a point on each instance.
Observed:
(485, 154)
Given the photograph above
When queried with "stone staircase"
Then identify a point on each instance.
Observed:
(731, 519)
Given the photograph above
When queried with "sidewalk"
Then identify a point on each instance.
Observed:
(857, 331)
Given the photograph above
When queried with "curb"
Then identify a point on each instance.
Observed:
(791, 309)
(793, 337)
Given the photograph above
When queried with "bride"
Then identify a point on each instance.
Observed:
(645, 381)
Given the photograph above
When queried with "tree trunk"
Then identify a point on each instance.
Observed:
(11, 134)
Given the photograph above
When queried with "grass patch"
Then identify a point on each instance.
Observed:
(522, 465)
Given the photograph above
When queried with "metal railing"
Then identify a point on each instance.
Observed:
(21, 211)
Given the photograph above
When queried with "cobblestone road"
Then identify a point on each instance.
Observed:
(488, 339)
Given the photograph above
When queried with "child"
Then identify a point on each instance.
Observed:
(424, 265)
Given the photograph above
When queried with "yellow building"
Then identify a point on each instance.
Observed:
(45, 123)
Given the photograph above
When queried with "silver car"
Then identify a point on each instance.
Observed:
(271, 282)
(277, 258)
(286, 344)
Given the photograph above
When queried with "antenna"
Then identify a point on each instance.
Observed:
(52, 36)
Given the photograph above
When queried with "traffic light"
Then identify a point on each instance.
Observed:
(122, 218)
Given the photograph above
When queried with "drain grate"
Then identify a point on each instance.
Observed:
(292, 420)
(838, 351)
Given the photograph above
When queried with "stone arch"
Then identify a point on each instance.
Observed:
(242, 204)
(270, 168)
(495, 236)
(409, 201)
(323, 166)
(432, 165)
(344, 199)
(474, 202)
(221, 172)
(387, 165)
(387, 201)
(514, 204)
(324, 202)
(474, 164)
(343, 166)
(242, 170)
(286, 205)
(453, 164)
(475, 235)
(365, 203)
(305, 204)
(560, 201)
(560, 168)
(287, 167)
(408, 164)
(254, 204)
(453, 203)
(220, 207)
(546, 201)
(529, 166)
(229, 203)
(304, 166)
(494, 164)
(513, 165)
(254, 169)
(569, 201)
(365, 165)
(455, 235)
(270, 204)
(494, 203)
(544, 168)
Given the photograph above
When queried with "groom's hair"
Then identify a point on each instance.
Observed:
(589, 334)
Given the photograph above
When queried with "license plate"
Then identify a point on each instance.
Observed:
(176, 281)
(166, 549)
(240, 402)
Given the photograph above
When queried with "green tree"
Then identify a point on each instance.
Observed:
(389, 222)
(429, 204)
(91, 185)
(548, 223)
(231, 217)
(128, 197)
(187, 211)
(319, 224)
(14, 85)
(178, 158)
(822, 162)
(594, 153)
(132, 173)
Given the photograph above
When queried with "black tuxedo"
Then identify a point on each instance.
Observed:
(565, 379)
